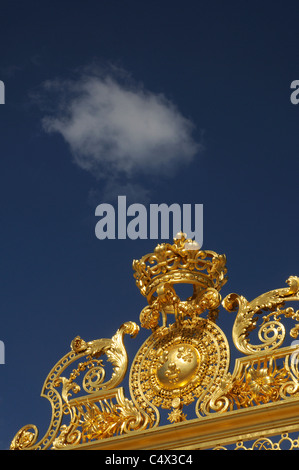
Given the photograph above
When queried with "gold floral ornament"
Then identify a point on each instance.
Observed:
(25, 438)
(260, 381)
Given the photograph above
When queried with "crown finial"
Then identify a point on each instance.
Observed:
(180, 263)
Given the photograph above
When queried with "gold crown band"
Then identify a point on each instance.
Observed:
(179, 263)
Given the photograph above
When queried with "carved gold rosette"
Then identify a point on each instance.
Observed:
(184, 361)
(178, 365)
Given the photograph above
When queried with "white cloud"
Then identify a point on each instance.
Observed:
(116, 128)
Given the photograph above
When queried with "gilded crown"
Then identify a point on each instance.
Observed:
(182, 262)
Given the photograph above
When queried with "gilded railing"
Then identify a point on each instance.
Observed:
(183, 365)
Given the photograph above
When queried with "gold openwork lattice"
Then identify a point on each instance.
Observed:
(282, 442)
(183, 364)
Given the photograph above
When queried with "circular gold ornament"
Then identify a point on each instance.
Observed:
(183, 361)
(177, 367)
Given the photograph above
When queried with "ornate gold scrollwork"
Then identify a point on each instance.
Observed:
(184, 361)
(272, 331)
(255, 381)
(91, 412)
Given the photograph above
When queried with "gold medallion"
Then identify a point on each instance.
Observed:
(178, 364)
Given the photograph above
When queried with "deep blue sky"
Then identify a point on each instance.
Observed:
(227, 67)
